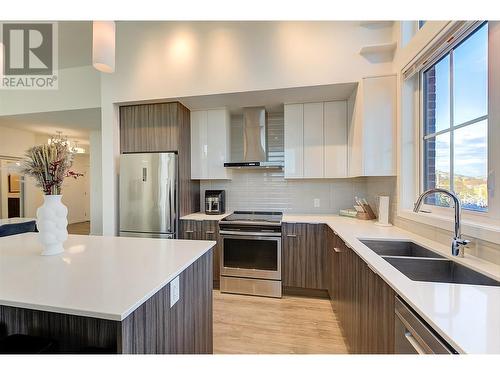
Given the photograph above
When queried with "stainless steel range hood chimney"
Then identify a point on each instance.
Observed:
(255, 149)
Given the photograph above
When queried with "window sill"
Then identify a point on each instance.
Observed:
(484, 230)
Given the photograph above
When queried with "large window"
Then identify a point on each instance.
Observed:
(455, 123)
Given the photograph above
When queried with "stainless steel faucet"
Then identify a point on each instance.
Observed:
(457, 244)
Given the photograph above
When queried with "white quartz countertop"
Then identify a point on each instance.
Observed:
(467, 316)
(96, 276)
(200, 216)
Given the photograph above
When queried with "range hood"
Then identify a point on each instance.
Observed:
(255, 151)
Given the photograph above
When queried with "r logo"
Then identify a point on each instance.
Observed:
(28, 49)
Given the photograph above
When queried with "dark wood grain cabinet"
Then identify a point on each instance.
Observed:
(191, 229)
(162, 127)
(377, 314)
(210, 230)
(293, 250)
(204, 230)
(304, 256)
(362, 301)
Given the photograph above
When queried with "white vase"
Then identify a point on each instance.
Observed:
(52, 222)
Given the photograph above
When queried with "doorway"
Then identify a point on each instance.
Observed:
(11, 189)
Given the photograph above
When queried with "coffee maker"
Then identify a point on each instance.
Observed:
(214, 202)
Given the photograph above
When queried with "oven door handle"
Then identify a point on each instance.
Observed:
(241, 233)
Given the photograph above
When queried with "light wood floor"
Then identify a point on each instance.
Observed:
(249, 325)
(79, 228)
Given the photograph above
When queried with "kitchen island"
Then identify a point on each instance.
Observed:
(109, 294)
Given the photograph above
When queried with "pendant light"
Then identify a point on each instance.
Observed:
(103, 46)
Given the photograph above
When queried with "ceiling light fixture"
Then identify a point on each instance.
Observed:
(103, 46)
(72, 146)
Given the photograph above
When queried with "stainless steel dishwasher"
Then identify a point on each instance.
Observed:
(413, 336)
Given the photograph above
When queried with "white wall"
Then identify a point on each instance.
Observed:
(14, 143)
(95, 183)
(76, 192)
(78, 88)
(161, 60)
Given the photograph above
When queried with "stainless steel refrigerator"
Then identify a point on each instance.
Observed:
(148, 195)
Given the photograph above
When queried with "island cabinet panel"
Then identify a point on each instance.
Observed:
(362, 301)
(184, 328)
(304, 256)
(153, 328)
(73, 333)
(204, 230)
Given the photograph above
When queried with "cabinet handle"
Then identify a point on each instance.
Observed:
(291, 235)
(189, 231)
(337, 250)
(210, 232)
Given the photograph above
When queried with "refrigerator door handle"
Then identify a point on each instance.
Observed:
(171, 198)
(144, 174)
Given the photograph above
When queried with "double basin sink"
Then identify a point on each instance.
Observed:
(421, 264)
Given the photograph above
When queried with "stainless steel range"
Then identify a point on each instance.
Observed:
(251, 253)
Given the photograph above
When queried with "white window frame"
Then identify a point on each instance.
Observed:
(481, 225)
(452, 128)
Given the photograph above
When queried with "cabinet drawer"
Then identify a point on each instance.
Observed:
(191, 230)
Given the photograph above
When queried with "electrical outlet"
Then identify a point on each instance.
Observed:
(174, 291)
(316, 202)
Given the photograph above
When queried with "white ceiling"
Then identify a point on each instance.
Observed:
(272, 100)
(75, 124)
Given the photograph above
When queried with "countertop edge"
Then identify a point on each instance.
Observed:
(112, 316)
(201, 216)
(155, 290)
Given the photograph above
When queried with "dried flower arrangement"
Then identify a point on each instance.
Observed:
(49, 164)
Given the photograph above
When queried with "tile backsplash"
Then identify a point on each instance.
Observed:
(266, 190)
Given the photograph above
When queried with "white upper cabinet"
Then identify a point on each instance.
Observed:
(372, 129)
(316, 140)
(313, 141)
(335, 150)
(199, 144)
(294, 140)
(210, 144)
